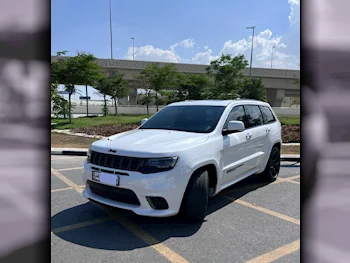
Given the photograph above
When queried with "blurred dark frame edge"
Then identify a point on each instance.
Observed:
(305, 79)
(40, 46)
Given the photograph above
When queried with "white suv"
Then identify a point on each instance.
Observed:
(184, 154)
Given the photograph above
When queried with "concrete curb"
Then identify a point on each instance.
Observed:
(83, 152)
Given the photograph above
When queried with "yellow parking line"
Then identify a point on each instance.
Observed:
(288, 180)
(79, 225)
(61, 189)
(70, 169)
(293, 177)
(66, 180)
(265, 210)
(277, 253)
(162, 249)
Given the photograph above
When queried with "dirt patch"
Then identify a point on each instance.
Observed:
(70, 141)
(106, 130)
(290, 134)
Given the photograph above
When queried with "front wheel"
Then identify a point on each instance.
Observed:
(272, 168)
(195, 202)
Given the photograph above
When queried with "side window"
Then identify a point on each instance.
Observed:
(254, 116)
(237, 114)
(267, 114)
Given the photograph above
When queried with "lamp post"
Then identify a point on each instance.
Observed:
(110, 27)
(251, 53)
(272, 54)
(133, 48)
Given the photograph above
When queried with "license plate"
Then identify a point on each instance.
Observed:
(106, 178)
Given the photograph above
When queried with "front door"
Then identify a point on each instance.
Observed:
(235, 149)
(257, 136)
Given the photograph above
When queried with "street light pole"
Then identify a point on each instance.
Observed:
(133, 48)
(110, 27)
(251, 53)
(272, 54)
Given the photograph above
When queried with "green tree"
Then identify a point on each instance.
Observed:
(192, 87)
(60, 105)
(253, 89)
(66, 71)
(103, 87)
(171, 95)
(117, 88)
(90, 73)
(147, 99)
(158, 78)
(227, 76)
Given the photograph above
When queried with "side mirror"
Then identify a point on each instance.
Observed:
(234, 126)
(144, 121)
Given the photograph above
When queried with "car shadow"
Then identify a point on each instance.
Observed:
(111, 235)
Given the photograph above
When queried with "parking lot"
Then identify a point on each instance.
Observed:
(248, 222)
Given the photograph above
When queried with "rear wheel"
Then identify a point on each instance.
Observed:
(195, 202)
(272, 168)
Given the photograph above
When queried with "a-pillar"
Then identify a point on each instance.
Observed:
(275, 97)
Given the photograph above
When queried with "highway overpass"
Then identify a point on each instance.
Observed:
(279, 83)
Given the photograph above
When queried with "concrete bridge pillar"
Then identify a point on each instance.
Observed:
(132, 96)
(275, 97)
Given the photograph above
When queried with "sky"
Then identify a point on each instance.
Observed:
(180, 31)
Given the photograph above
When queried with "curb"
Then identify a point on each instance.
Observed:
(83, 152)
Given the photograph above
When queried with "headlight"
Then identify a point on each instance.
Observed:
(156, 165)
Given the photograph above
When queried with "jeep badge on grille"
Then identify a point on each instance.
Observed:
(112, 150)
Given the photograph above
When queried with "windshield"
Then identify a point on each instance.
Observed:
(199, 119)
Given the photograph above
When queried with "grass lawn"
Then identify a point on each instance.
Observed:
(290, 120)
(127, 119)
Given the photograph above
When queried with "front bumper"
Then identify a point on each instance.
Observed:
(169, 185)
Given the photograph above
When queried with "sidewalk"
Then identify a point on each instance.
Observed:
(83, 152)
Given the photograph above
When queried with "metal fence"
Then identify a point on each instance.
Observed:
(142, 110)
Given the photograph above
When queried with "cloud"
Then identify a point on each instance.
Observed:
(286, 54)
(187, 43)
(151, 53)
(294, 16)
(204, 57)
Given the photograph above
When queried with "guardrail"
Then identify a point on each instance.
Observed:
(142, 110)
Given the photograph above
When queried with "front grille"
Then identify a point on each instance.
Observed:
(116, 161)
(113, 193)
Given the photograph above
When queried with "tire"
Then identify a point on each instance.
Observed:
(272, 168)
(195, 201)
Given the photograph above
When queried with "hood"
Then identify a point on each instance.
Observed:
(149, 143)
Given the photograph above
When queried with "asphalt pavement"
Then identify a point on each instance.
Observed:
(249, 222)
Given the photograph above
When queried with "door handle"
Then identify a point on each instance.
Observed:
(268, 130)
(248, 136)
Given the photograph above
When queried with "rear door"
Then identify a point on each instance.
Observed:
(272, 127)
(235, 148)
(256, 136)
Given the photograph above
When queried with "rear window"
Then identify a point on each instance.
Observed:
(254, 116)
(267, 114)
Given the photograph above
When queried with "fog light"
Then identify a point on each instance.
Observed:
(96, 176)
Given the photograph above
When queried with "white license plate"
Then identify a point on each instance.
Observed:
(106, 178)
